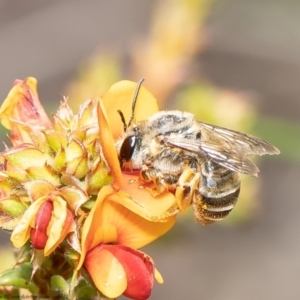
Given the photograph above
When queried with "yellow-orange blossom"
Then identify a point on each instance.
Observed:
(125, 216)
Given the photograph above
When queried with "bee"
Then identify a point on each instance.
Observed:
(199, 162)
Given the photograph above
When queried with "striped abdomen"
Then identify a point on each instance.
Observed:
(218, 192)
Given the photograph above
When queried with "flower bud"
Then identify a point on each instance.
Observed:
(38, 234)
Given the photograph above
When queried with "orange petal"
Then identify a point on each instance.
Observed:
(92, 222)
(111, 222)
(130, 229)
(108, 147)
(138, 198)
(120, 97)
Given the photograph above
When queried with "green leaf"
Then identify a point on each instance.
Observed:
(59, 284)
(12, 206)
(25, 156)
(56, 140)
(88, 204)
(19, 277)
(10, 294)
(85, 289)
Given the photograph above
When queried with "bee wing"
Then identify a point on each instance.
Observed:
(226, 147)
(235, 140)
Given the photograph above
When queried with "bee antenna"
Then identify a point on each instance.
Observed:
(135, 96)
(122, 119)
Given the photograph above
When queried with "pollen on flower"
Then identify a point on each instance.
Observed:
(132, 181)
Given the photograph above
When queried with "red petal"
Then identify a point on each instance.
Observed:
(139, 269)
(38, 234)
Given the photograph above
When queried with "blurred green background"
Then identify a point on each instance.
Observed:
(232, 63)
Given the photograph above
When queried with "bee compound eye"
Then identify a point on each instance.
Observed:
(127, 148)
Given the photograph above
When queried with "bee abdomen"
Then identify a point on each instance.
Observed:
(218, 192)
(210, 210)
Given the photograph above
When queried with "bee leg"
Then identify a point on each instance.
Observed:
(162, 181)
(152, 175)
(188, 183)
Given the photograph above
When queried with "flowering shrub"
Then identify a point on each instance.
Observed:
(76, 218)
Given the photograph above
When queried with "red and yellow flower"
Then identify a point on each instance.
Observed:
(49, 218)
(66, 178)
(125, 216)
(110, 236)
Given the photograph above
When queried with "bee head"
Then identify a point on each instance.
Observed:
(132, 140)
